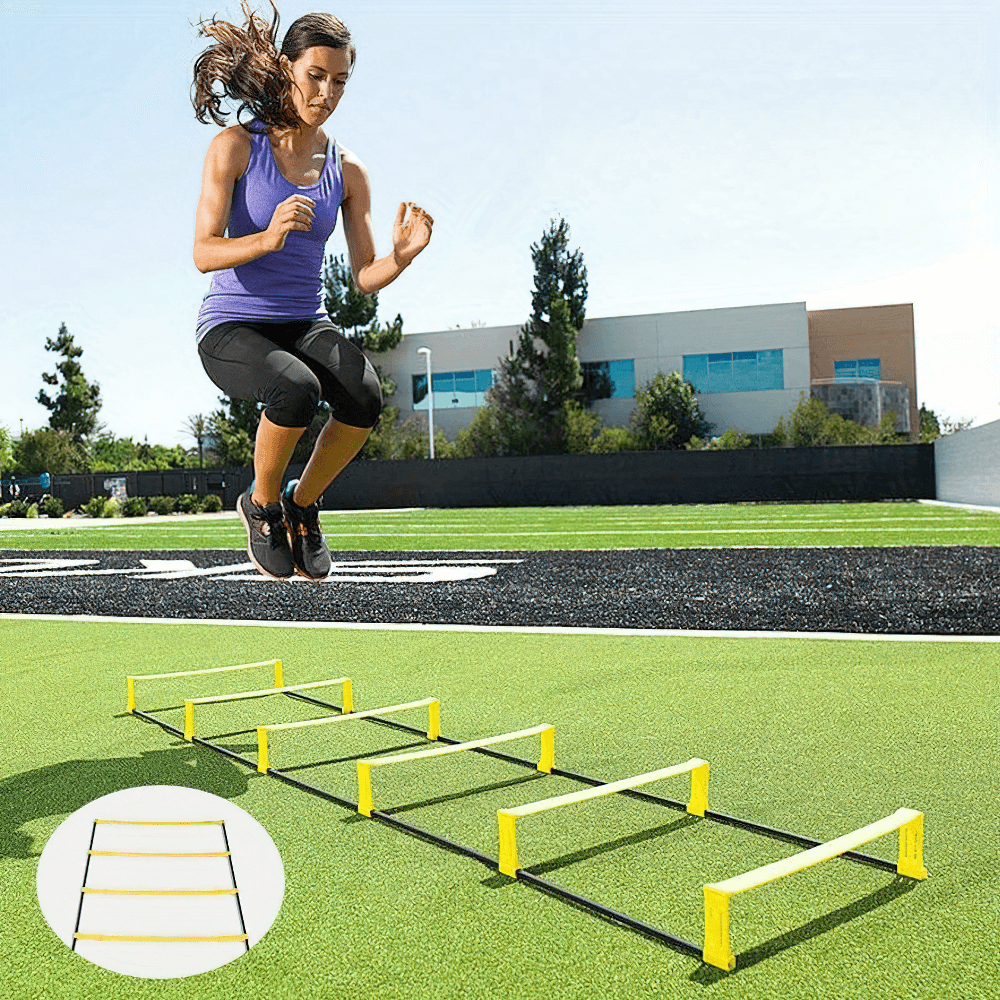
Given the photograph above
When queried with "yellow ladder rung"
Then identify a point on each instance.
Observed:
(161, 892)
(157, 854)
(129, 937)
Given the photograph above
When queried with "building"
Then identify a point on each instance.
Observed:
(750, 364)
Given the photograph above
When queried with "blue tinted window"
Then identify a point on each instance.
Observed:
(452, 389)
(622, 378)
(735, 371)
(609, 379)
(869, 368)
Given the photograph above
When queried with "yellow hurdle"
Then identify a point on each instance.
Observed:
(697, 803)
(910, 824)
(159, 822)
(161, 892)
(433, 724)
(189, 703)
(546, 760)
(158, 938)
(130, 681)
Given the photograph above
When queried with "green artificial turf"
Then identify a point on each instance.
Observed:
(815, 736)
(728, 525)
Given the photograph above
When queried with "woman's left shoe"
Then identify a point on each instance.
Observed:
(309, 550)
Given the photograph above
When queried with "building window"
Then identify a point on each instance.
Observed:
(859, 368)
(735, 371)
(453, 390)
(609, 379)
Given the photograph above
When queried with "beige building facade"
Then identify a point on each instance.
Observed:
(750, 364)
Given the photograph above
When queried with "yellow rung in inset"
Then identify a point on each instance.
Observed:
(697, 803)
(546, 759)
(189, 703)
(130, 681)
(156, 822)
(433, 724)
(910, 824)
(156, 854)
(127, 937)
(161, 892)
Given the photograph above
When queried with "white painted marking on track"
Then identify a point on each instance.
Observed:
(348, 571)
(663, 633)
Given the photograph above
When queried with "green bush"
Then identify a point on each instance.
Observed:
(112, 508)
(614, 439)
(189, 503)
(581, 428)
(729, 440)
(53, 507)
(160, 505)
(16, 508)
(211, 504)
(667, 414)
(32, 510)
(94, 507)
(134, 507)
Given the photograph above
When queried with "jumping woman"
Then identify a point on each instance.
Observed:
(270, 191)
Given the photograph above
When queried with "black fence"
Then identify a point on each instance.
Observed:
(860, 472)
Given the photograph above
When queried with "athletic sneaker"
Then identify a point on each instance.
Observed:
(309, 551)
(267, 536)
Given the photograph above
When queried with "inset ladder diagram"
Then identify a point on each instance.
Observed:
(160, 882)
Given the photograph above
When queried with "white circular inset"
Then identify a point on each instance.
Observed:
(160, 881)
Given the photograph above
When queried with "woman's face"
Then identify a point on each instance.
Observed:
(318, 77)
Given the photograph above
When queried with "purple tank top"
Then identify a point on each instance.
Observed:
(285, 284)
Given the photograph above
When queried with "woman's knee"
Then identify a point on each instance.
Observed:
(292, 402)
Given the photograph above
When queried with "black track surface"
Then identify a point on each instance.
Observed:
(927, 590)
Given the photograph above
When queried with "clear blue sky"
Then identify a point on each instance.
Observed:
(704, 155)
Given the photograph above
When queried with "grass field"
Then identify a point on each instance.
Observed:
(815, 736)
(890, 523)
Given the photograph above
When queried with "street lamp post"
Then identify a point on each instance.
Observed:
(426, 352)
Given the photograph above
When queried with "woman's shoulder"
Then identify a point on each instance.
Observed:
(354, 172)
(231, 149)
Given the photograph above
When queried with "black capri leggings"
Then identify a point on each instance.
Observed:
(289, 366)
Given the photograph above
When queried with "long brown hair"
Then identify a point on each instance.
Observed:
(246, 62)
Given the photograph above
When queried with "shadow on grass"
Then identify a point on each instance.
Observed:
(499, 881)
(60, 789)
(708, 975)
(494, 787)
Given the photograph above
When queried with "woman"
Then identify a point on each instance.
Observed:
(275, 184)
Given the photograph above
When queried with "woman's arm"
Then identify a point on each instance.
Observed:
(227, 159)
(408, 238)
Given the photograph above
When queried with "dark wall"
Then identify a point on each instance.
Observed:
(860, 472)
(77, 490)
(839, 473)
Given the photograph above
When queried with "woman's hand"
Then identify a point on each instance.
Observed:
(295, 212)
(411, 236)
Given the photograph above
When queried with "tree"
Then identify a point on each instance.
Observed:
(74, 408)
(930, 429)
(6, 449)
(528, 409)
(197, 426)
(233, 445)
(667, 414)
(49, 450)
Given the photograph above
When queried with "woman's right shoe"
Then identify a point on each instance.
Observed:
(267, 536)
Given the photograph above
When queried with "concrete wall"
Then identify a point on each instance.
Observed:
(967, 466)
(656, 342)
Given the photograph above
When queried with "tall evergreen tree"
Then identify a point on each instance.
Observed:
(541, 379)
(75, 406)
